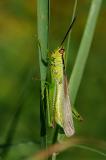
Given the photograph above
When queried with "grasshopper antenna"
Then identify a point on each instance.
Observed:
(68, 31)
(72, 23)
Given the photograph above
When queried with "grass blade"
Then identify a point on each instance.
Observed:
(43, 27)
(83, 52)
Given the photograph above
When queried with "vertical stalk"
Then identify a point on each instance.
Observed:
(42, 30)
(84, 48)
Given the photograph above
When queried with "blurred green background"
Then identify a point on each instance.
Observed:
(19, 92)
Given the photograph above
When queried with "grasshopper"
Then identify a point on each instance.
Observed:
(58, 103)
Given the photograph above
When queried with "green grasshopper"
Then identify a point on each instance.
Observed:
(57, 95)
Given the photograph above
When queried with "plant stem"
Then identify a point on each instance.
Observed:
(55, 136)
(84, 48)
(42, 29)
(54, 156)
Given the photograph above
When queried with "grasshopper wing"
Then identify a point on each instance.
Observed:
(68, 125)
(63, 113)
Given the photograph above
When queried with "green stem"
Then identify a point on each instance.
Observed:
(54, 156)
(42, 29)
(54, 140)
(55, 135)
(83, 52)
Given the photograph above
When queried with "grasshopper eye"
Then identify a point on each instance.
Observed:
(61, 51)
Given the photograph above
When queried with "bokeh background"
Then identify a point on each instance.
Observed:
(19, 63)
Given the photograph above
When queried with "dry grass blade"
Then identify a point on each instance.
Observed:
(78, 142)
(56, 148)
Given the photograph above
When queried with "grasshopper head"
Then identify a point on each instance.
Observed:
(61, 50)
